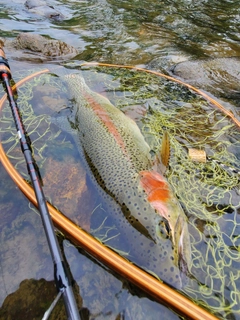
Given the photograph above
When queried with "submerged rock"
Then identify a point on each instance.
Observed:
(220, 76)
(34, 47)
(65, 183)
(42, 8)
(32, 299)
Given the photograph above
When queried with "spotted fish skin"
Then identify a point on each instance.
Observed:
(119, 158)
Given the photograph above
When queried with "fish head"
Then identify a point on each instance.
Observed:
(161, 198)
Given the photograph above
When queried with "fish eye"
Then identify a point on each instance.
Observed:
(163, 229)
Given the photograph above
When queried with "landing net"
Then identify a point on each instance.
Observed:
(208, 192)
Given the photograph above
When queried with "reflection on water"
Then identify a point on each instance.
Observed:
(136, 32)
(150, 33)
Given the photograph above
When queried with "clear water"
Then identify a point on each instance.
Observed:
(153, 34)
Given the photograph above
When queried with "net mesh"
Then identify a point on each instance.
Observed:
(208, 192)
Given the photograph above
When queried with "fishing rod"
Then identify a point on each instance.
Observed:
(61, 276)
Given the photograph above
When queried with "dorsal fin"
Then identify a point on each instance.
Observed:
(162, 159)
(165, 151)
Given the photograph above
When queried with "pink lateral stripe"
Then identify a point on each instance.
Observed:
(104, 117)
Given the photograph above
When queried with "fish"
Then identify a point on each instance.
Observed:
(141, 200)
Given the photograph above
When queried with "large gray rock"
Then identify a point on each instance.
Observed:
(34, 47)
(42, 8)
(220, 76)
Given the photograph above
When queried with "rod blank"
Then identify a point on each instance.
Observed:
(61, 275)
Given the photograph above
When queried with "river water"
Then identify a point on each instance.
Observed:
(150, 34)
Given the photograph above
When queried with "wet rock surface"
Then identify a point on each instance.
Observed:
(220, 76)
(34, 47)
(65, 181)
(31, 300)
(44, 9)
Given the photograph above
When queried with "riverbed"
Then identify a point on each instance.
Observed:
(153, 35)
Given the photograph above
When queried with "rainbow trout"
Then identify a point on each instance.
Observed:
(120, 163)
